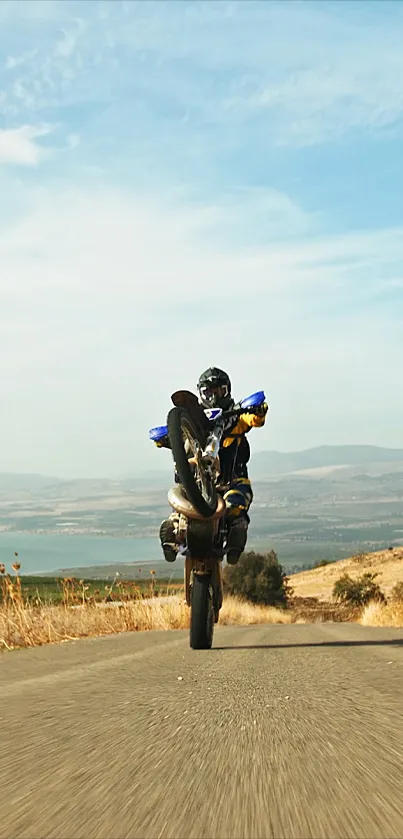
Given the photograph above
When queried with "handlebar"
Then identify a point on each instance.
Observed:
(237, 410)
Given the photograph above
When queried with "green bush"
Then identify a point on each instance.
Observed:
(322, 563)
(357, 592)
(259, 578)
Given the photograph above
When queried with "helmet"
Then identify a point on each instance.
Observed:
(214, 388)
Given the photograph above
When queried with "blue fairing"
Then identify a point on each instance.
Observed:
(254, 400)
(158, 433)
(213, 413)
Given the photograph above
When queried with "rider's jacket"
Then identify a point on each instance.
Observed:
(234, 449)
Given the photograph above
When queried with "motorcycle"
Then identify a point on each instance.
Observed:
(194, 437)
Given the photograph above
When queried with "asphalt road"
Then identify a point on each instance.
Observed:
(280, 731)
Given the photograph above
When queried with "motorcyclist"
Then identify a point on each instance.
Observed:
(214, 388)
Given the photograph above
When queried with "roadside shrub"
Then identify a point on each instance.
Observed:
(357, 592)
(258, 578)
(360, 557)
(397, 592)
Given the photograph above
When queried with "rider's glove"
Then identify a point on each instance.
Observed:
(163, 443)
(261, 410)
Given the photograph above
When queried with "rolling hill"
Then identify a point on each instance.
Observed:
(30, 482)
(268, 463)
(323, 503)
(264, 464)
(319, 582)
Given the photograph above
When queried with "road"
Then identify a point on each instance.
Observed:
(291, 732)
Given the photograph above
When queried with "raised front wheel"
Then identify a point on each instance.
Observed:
(199, 487)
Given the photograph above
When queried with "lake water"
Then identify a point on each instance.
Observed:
(47, 552)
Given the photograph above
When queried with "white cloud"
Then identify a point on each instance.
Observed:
(71, 38)
(110, 298)
(23, 95)
(18, 146)
(14, 61)
(324, 102)
(110, 303)
(66, 46)
(73, 140)
(314, 73)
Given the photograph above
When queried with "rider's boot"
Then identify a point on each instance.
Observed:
(168, 541)
(236, 538)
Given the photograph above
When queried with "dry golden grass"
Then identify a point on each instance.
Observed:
(320, 581)
(29, 626)
(239, 613)
(25, 625)
(379, 614)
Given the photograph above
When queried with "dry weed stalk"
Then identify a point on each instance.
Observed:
(381, 614)
(25, 624)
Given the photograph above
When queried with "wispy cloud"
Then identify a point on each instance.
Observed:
(14, 61)
(66, 46)
(309, 70)
(19, 146)
(102, 293)
(224, 186)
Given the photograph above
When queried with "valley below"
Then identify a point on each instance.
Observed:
(326, 511)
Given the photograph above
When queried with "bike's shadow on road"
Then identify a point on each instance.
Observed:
(394, 642)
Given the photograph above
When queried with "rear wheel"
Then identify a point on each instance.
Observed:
(198, 485)
(201, 613)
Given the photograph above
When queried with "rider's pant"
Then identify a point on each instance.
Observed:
(238, 498)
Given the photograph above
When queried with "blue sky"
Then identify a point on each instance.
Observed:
(194, 183)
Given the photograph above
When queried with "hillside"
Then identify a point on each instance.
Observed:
(323, 503)
(282, 463)
(319, 582)
(265, 463)
(30, 482)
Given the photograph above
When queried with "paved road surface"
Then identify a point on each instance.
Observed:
(280, 731)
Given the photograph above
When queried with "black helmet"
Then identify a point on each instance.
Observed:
(214, 388)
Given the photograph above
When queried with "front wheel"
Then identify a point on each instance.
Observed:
(199, 486)
(201, 613)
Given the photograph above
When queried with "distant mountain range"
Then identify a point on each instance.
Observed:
(264, 465)
(326, 502)
(27, 482)
(268, 463)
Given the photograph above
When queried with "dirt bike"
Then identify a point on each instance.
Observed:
(194, 437)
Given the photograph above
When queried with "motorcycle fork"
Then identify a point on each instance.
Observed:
(205, 567)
